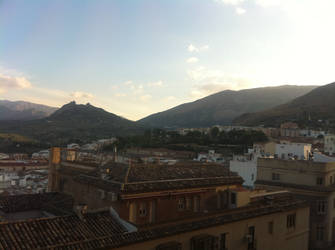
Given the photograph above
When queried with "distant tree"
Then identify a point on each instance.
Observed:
(214, 132)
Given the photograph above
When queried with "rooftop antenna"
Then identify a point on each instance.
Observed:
(127, 174)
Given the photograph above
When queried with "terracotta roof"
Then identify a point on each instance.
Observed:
(102, 230)
(58, 232)
(55, 203)
(149, 177)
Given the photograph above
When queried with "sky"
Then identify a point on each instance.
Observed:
(138, 57)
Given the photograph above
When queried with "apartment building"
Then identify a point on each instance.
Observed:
(329, 144)
(311, 181)
(259, 220)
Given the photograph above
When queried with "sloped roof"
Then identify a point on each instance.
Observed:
(156, 177)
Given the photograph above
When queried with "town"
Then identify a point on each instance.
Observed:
(280, 192)
(167, 125)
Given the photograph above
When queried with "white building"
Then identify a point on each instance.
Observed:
(43, 154)
(246, 167)
(329, 144)
(298, 151)
(73, 146)
(211, 156)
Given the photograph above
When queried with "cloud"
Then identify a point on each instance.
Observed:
(10, 82)
(155, 84)
(79, 94)
(193, 48)
(268, 3)
(230, 2)
(192, 60)
(127, 83)
(170, 98)
(209, 81)
(145, 98)
(120, 95)
(240, 11)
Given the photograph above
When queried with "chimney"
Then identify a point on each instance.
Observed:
(80, 210)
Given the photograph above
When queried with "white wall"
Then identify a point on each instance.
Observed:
(329, 146)
(287, 151)
(246, 169)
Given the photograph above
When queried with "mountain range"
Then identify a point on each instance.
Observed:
(268, 106)
(223, 107)
(318, 104)
(73, 123)
(20, 110)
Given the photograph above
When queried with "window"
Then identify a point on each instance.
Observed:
(270, 227)
(320, 232)
(196, 204)
(275, 177)
(290, 222)
(181, 204)
(169, 246)
(252, 177)
(233, 199)
(143, 210)
(319, 181)
(203, 242)
(223, 242)
(321, 207)
(188, 203)
(251, 238)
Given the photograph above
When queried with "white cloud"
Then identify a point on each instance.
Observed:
(268, 3)
(10, 82)
(120, 95)
(192, 60)
(128, 83)
(193, 48)
(209, 81)
(240, 11)
(230, 2)
(79, 94)
(155, 84)
(170, 98)
(145, 98)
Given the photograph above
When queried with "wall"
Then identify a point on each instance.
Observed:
(305, 173)
(329, 141)
(294, 171)
(291, 150)
(282, 238)
(247, 170)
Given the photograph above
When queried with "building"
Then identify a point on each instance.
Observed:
(211, 156)
(289, 129)
(292, 150)
(329, 144)
(264, 149)
(145, 193)
(246, 167)
(309, 180)
(260, 221)
(15, 165)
